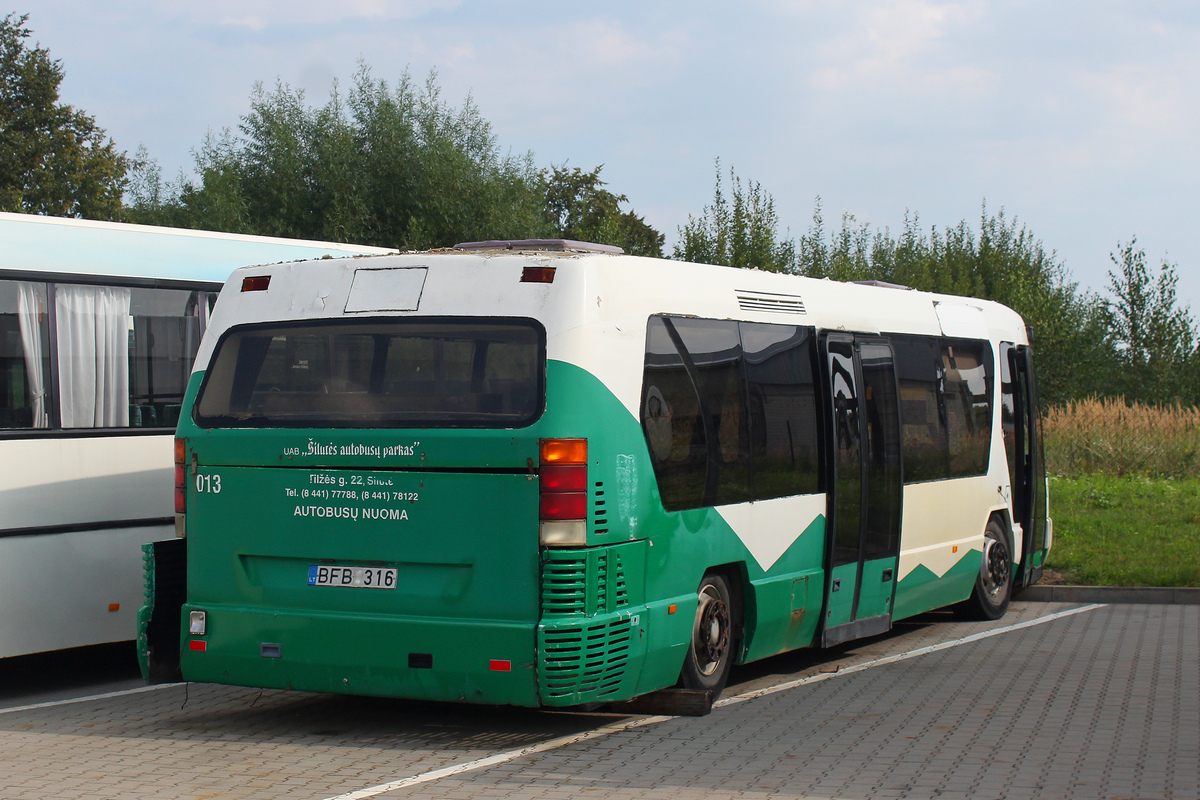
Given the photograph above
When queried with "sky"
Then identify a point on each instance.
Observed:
(1077, 117)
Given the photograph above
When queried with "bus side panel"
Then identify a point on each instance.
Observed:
(78, 587)
(781, 595)
(941, 542)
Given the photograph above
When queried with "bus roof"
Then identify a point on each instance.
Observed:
(74, 246)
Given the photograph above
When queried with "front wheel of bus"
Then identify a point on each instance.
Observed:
(993, 587)
(710, 652)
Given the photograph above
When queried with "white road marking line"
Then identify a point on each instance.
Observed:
(499, 758)
(921, 651)
(105, 696)
(563, 741)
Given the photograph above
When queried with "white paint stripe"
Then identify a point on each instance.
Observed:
(921, 651)
(105, 696)
(563, 741)
(499, 758)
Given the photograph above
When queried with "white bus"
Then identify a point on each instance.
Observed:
(547, 473)
(99, 323)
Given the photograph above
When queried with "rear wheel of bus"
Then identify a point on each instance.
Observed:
(993, 586)
(711, 649)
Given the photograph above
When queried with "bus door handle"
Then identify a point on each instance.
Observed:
(837, 584)
(887, 575)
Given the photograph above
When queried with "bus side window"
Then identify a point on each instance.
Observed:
(729, 411)
(922, 414)
(968, 405)
(783, 412)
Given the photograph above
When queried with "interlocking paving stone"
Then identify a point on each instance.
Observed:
(1100, 705)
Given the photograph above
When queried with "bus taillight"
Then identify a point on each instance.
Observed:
(180, 486)
(562, 492)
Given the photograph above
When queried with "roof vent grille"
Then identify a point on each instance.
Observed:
(553, 245)
(773, 302)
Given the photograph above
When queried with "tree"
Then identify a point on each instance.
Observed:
(581, 209)
(743, 234)
(1156, 339)
(396, 167)
(53, 159)
(1000, 260)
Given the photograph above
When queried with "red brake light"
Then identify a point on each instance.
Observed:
(563, 505)
(563, 478)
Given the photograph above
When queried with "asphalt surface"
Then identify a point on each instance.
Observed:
(1056, 700)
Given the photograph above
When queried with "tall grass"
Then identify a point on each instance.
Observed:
(1110, 437)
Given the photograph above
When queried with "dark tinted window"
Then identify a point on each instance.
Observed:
(693, 412)
(922, 413)
(783, 413)
(881, 525)
(372, 373)
(847, 453)
(945, 406)
(968, 383)
(728, 411)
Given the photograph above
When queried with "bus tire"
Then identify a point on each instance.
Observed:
(993, 585)
(711, 647)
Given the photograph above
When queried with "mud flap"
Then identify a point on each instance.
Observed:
(165, 580)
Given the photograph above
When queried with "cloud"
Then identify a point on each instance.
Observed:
(907, 42)
(260, 15)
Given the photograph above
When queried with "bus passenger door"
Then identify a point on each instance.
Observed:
(865, 490)
(1027, 465)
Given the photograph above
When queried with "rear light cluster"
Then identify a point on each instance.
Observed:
(562, 492)
(180, 486)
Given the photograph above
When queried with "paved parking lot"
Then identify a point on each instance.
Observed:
(1056, 700)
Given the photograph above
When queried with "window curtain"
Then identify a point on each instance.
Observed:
(93, 355)
(30, 308)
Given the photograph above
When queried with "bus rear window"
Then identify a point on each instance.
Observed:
(410, 373)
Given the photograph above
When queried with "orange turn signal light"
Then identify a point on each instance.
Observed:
(563, 451)
(256, 283)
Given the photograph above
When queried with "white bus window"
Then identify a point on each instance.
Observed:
(24, 355)
(165, 333)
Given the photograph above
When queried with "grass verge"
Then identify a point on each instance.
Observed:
(1125, 531)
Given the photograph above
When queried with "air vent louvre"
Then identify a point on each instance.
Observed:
(773, 302)
(585, 661)
(599, 510)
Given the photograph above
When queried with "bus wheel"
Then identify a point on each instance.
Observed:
(710, 652)
(993, 587)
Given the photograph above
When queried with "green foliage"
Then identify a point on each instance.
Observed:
(1156, 340)
(741, 234)
(581, 209)
(1001, 260)
(1126, 531)
(53, 159)
(396, 167)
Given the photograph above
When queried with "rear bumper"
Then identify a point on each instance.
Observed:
(433, 659)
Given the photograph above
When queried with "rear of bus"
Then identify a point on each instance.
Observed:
(368, 458)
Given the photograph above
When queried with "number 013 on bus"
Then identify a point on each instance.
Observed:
(547, 473)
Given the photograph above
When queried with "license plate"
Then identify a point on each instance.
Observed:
(360, 577)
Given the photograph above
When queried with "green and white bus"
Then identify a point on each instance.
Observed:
(545, 473)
